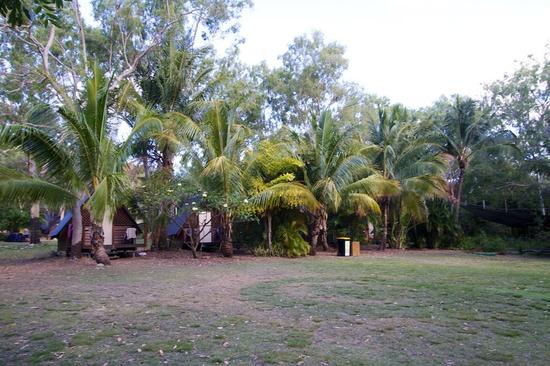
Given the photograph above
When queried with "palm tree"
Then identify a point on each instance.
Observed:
(336, 173)
(218, 146)
(173, 86)
(172, 92)
(466, 132)
(271, 181)
(403, 150)
(84, 163)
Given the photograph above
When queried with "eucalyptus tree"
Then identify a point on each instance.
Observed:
(337, 173)
(405, 150)
(309, 80)
(521, 100)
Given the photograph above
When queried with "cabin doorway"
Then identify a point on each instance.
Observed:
(205, 225)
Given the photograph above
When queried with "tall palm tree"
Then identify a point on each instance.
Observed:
(218, 146)
(86, 162)
(173, 86)
(403, 150)
(466, 132)
(336, 172)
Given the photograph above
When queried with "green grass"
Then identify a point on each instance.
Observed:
(411, 308)
(26, 251)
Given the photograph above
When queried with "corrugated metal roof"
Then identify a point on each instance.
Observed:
(55, 232)
(175, 225)
(68, 216)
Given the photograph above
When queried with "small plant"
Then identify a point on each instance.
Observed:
(289, 236)
(261, 251)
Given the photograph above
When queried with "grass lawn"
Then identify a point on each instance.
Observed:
(26, 251)
(424, 308)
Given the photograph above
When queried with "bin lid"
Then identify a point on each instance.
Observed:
(343, 238)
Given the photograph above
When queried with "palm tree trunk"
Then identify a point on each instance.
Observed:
(76, 235)
(98, 250)
(319, 231)
(269, 233)
(385, 212)
(35, 209)
(35, 223)
(459, 194)
(167, 162)
(324, 229)
(226, 244)
(313, 236)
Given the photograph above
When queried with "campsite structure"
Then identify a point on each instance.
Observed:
(122, 237)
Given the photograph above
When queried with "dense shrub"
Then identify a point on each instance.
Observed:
(289, 236)
(499, 244)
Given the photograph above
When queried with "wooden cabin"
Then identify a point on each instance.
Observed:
(121, 222)
(180, 228)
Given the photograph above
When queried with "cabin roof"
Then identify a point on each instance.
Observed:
(69, 215)
(56, 230)
(177, 222)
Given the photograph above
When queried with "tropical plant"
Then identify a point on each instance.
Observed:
(337, 174)
(215, 160)
(466, 131)
(289, 235)
(404, 150)
(84, 163)
(270, 171)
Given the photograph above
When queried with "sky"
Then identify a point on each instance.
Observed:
(412, 51)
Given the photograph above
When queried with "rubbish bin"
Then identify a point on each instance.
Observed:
(344, 246)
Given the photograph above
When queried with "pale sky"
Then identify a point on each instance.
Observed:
(411, 51)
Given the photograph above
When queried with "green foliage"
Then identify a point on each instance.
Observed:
(20, 12)
(13, 218)
(309, 80)
(276, 251)
(289, 236)
(499, 244)
(485, 243)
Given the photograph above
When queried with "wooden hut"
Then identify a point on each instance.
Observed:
(122, 221)
(180, 228)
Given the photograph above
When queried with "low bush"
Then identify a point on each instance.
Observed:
(498, 244)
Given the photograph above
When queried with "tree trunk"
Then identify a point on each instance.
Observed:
(98, 250)
(269, 233)
(76, 235)
(226, 244)
(145, 162)
(194, 251)
(541, 199)
(167, 162)
(319, 231)
(385, 212)
(35, 209)
(313, 237)
(35, 223)
(145, 234)
(324, 229)
(459, 192)
(107, 226)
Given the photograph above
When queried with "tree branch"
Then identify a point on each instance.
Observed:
(76, 9)
(135, 62)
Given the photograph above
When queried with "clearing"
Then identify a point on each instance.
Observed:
(440, 308)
